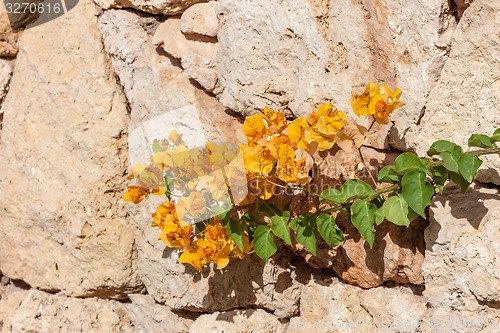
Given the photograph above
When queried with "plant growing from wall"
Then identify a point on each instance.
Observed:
(218, 196)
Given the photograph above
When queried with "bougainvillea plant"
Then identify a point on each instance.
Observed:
(217, 196)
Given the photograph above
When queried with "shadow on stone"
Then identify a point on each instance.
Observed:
(251, 283)
(468, 205)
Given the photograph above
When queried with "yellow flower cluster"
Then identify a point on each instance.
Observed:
(377, 101)
(213, 178)
(201, 178)
(287, 147)
(214, 247)
(175, 233)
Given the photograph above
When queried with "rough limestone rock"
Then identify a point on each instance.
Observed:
(8, 38)
(149, 316)
(201, 69)
(336, 307)
(63, 145)
(238, 321)
(294, 55)
(170, 37)
(201, 19)
(36, 311)
(196, 52)
(166, 7)
(466, 98)
(244, 283)
(462, 266)
(160, 94)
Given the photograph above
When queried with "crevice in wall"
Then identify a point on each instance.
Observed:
(185, 314)
(490, 304)
(193, 315)
(122, 144)
(458, 7)
(234, 114)
(453, 10)
(20, 284)
(494, 304)
(115, 75)
(173, 61)
(122, 91)
(421, 115)
(417, 290)
(198, 86)
(116, 294)
(6, 91)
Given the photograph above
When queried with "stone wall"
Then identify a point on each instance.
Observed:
(83, 96)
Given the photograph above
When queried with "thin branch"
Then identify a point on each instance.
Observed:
(375, 183)
(479, 152)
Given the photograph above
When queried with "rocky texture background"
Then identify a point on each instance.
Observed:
(82, 97)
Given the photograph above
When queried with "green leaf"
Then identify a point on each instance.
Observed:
(356, 188)
(450, 160)
(353, 188)
(304, 232)
(235, 230)
(396, 210)
(279, 221)
(329, 230)
(416, 191)
(363, 218)
(263, 243)
(279, 225)
(168, 185)
(331, 195)
(468, 166)
(252, 225)
(388, 174)
(441, 146)
(249, 218)
(269, 209)
(407, 162)
(412, 215)
(379, 216)
(496, 136)
(460, 180)
(156, 147)
(481, 141)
